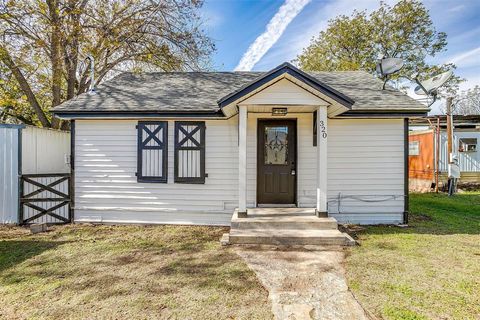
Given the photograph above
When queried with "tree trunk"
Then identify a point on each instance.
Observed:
(55, 56)
(72, 48)
(23, 83)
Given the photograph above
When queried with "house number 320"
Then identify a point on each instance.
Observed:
(323, 130)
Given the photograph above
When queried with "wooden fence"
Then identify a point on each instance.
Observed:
(45, 198)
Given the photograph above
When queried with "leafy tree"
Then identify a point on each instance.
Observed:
(13, 105)
(467, 102)
(355, 43)
(44, 45)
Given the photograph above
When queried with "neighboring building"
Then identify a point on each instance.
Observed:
(423, 153)
(190, 147)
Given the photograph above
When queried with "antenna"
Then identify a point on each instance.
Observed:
(388, 66)
(91, 89)
(430, 86)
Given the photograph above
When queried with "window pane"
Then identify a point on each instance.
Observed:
(468, 145)
(276, 145)
(413, 148)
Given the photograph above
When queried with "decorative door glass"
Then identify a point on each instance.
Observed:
(276, 145)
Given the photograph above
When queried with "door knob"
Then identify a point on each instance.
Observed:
(293, 172)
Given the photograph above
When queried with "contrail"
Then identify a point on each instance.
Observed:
(465, 55)
(274, 30)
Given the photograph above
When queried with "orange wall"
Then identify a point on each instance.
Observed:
(422, 166)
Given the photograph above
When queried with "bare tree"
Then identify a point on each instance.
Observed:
(467, 102)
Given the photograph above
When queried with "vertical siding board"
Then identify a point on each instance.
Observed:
(190, 152)
(44, 151)
(9, 173)
(468, 161)
(150, 154)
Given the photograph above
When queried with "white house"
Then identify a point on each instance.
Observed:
(191, 147)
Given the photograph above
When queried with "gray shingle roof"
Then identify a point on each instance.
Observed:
(199, 92)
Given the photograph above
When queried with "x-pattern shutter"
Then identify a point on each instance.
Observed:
(190, 151)
(152, 151)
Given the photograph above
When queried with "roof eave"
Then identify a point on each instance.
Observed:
(411, 113)
(71, 115)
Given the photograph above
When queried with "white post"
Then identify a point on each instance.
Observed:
(322, 135)
(242, 160)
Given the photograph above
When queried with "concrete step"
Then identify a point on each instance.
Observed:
(285, 222)
(289, 237)
(278, 218)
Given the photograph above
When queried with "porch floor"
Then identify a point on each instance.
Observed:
(285, 226)
(269, 213)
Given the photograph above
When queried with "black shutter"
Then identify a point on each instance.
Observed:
(315, 128)
(152, 151)
(189, 152)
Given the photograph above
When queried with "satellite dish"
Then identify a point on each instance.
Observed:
(431, 85)
(388, 66)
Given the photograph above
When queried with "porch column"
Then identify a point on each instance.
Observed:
(242, 160)
(321, 208)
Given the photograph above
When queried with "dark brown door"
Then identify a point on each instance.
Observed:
(276, 161)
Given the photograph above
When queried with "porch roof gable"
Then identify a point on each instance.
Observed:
(286, 70)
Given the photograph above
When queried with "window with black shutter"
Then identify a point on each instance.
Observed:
(190, 152)
(152, 151)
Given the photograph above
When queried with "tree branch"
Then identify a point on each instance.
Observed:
(22, 81)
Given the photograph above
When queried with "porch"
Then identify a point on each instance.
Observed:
(285, 226)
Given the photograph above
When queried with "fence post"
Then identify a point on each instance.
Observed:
(20, 196)
(70, 195)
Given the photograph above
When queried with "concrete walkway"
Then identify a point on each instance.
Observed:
(304, 282)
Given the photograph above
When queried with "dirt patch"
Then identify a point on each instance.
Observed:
(419, 217)
(304, 282)
(125, 272)
(352, 229)
(469, 186)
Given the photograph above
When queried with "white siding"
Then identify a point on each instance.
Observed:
(45, 151)
(365, 162)
(9, 174)
(366, 170)
(106, 188)
(284, 92)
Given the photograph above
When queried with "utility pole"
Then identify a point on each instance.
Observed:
(453, 170)
(437, 154)
(449, 130)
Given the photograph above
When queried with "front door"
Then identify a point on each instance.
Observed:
(276, 161)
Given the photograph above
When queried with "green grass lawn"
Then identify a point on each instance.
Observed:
(430, 270)
(125, 272)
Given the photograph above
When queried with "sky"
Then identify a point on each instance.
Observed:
(258, 35)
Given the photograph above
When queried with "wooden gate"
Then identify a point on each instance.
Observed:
(45, 198)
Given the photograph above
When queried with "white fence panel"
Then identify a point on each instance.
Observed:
(45, 151)
(29, 150)
(9, 135)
